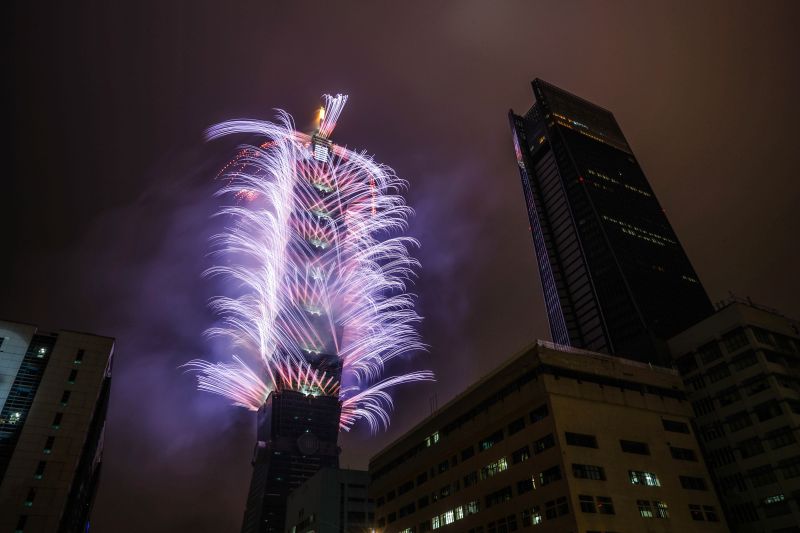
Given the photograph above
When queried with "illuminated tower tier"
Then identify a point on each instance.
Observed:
(614, 276)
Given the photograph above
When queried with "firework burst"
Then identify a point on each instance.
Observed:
(314, 247)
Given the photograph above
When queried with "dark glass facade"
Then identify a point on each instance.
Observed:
(20, 398)
(297, 436)
(614, 275)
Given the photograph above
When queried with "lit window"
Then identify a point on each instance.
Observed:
(644, 478)
(662, 511)
(644, 508)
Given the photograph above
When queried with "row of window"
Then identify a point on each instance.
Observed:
(545, 477)
(486, 443)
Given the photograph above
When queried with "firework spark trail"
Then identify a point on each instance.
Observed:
(314, 249)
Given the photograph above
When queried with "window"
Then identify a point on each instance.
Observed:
(675, 426)
(562, 506)
(718, 372)
(702, 406)
(422, 502)
(466, 453)
(683, 454)
(745, 360)
(491, 440)
(498, 496)
(744, 512)
(39, 473)
(21, 522)
(645, 511)
(763, 336)
(526, 485)
(532, 516)
(767, 410)
(516, 426)
(431, 439)
(750, 447)
(729, 483)
(696, 512)
(588, 472)
(686, 363)
(57, 420)
(711, 513)
(540, 413)
(755, 385)
(550, 475)
(729, 396)
(643, 478)
(48, 445)
(73, 375)
(632, 446)
(405, 487)
(605, 505)
(444, 466)
(735, 340)
(79, 357)
(31, 496)
(471, 478)
(776, 505)
(709, 353)
(778, 438)
(65, 398)
(422, 478)
(587, 503)
(496, 467)
(521, 455)
(580, 439)
(739, 421)
(662, 511)
(695, 383)
(712, 431)
(721, 456)
(763, 475)
(693, 483)
(543, 444)
(790, 468)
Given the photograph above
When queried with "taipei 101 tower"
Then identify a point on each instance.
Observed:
(319, 305)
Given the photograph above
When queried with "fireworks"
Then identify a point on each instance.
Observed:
(314, 249)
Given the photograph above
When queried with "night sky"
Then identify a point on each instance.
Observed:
(107, 212)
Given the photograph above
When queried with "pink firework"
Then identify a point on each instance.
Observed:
(315, 247)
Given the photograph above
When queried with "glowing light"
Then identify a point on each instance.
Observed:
(313, 246)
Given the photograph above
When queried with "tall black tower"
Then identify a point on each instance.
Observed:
(297, 436)
(614, 275)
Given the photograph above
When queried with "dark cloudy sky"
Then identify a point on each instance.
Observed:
(107, 209)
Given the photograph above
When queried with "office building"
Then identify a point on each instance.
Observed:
(565, 440)
(331, 500)
(741, 367)
(614, 275)
(54, 390)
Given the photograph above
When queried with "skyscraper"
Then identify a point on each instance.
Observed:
(319, 303)
(614, 276)
(54, 390)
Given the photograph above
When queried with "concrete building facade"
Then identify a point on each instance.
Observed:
(331, 500)
(741, 367)
(556, 439)
(54, 390)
